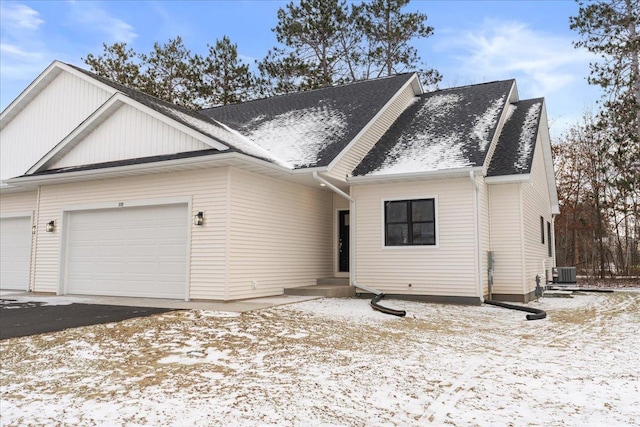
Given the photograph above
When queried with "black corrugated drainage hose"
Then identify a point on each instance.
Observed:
(537, 313)
(386, 310)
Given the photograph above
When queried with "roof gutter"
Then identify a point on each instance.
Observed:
(133, 169)
(437, 174)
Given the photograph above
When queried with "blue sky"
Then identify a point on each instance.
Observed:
(474, 41)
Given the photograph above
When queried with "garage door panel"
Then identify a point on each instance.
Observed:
(15, 253)
(138, 251)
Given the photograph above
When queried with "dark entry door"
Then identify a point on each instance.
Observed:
(343, 241)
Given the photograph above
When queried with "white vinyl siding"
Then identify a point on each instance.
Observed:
(128, 134)
(15, 252)
(506, 238)
(280, 235)
(447, 269)
(207, 190)
(138, 251)
(485, 234)
(46, 120)
(372, 135)
(536, 204)
(17, 202)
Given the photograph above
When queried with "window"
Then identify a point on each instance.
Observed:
(542, 230)
(549, 245)
(410, 222)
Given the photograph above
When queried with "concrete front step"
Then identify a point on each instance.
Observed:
(344, 281)
(329, 291)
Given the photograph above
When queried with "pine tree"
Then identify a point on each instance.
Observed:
(224, 78)
(170, 73)
(610, 29)
(389, 33)
(117, 63)
(313, 33)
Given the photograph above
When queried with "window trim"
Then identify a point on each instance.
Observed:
(549, 240)
(542, 229)
(383, 223)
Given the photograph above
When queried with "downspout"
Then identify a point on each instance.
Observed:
(352, 250)
(478, 244)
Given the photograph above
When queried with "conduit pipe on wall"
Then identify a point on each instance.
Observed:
(352, 250)
(476, 199)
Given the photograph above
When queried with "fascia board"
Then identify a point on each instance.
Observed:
(354, 141)
(545, 140)
(513, 93)
(439, 174)
(39, 84)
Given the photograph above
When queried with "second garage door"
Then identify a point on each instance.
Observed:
(15, 253)
(139, 252)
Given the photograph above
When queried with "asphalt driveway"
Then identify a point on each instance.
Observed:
(20, 318)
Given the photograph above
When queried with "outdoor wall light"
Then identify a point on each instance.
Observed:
(198, 219)
(51, 225)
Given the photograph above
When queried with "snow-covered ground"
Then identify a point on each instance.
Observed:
(336, 362)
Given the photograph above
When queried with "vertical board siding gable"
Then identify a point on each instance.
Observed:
(128, 134)
(46, 120)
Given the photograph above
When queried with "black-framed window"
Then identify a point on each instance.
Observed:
(549, 244)
(410, 222)
(542, 230)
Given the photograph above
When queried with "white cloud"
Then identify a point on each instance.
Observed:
(542, 62)
(90, 15)
(20, 16)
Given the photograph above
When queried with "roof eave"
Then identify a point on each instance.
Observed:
(212, 160)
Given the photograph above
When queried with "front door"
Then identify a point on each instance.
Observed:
(343, 241)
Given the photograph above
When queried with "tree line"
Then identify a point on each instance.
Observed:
(320, 43)
(598, 160)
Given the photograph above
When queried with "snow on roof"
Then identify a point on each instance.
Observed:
(528, 136)
(310, 128)
(448, 129)
(429, 149)
(298, 136)
(514, 151)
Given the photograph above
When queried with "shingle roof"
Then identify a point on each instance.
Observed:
(446, 129)
(309, 129)
(516, 144)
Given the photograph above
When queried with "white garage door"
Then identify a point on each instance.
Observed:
(15, 253)
(140, 252)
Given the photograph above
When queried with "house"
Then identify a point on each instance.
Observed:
(446, 196)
